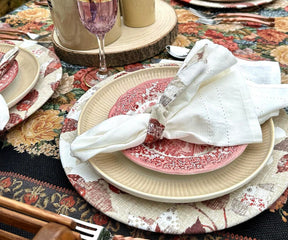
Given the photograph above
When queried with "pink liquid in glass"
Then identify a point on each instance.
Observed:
(98, 16)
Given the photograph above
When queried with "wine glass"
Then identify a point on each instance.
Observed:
(98, 17)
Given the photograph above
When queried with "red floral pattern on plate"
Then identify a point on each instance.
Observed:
(70, 125)
(9, 76)
(28, 100)
(170, 156)
(13, 120)
(95, 187)
(283, 164)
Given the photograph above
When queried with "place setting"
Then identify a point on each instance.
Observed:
(178, 143)
(29, 82)
(105, 155)
(163, 130)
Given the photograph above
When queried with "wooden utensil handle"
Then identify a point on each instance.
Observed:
(12, 30)
(55, 231)
(36, 212)
(41, 2)
(245, 20)
(27, 223)
(21, 221)
(9, 37)
(10, 236)
(249, 15)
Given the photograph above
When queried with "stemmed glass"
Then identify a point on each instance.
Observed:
(98, 17)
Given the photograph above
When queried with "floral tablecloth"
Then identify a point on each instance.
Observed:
(30, 165)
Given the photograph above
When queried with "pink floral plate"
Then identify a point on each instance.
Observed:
(49, 79)
(170, 156)
(226, 4)
(9, 76)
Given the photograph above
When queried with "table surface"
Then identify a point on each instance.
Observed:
(30, 166)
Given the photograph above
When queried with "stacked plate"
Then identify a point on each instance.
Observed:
(184, 181)
(168, 170)
(31, 81)
(23, 76)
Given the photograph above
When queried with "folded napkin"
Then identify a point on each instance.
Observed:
(214, 99)
(4, 115)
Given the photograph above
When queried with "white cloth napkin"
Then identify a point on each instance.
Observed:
(4, 113)
(215, 99)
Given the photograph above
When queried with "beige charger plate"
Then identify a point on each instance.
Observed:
(144, 183)
(26, 78)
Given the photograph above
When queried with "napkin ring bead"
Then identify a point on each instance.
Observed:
(154, 131)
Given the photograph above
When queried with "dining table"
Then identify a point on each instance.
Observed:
(35, 167)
